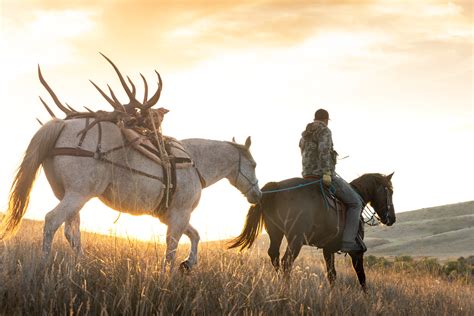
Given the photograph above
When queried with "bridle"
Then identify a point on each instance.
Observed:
(240, 173)
(371, 218)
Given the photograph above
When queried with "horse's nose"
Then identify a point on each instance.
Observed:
(254, 196)
(391, 220)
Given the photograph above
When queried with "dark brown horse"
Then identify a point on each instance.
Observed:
(297, 209)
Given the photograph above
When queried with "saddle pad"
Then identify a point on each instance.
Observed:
(143, 145)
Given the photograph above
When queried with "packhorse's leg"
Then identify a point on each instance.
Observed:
(176, 228)
(331, 270)
(192, 258)
(358, 264)
(292, 251)
(73, 233)
(276, 236)
(69, 206)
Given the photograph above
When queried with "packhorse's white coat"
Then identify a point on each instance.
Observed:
(75, 180)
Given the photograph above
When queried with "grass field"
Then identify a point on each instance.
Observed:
(120, 276)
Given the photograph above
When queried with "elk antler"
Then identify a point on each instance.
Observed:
(71, 108)
(154, 99)
(145, 95)
(53, 96)
(133, 102)
(101, 116)
(47, 108)
(115, 104)
(131, 96)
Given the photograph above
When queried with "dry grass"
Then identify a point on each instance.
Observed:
(117, 276)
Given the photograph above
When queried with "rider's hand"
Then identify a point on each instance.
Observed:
(327, 179)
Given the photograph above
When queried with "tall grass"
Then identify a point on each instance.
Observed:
(120, 276)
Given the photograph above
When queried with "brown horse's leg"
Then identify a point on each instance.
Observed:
(276, 237)
(292, 251)
(358, 264)
(331, 270)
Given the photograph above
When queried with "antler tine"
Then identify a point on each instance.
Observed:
(47, 108)
(134, 91)
(114, 105)
(71, 108)
(122, 80)
(41, 123)
(89, 110)
(145, 97)
(154, 99)
(52, 94)
(117, 102)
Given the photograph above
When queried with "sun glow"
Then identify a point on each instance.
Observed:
(397, 83)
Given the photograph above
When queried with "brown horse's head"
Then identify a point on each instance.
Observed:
(377, 190)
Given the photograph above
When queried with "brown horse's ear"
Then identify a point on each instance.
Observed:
(248, 142)
(389, 177)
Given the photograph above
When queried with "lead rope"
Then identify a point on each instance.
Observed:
(163, 155)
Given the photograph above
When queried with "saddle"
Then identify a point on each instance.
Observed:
(335, 205)
(173, 156)
(144, 142)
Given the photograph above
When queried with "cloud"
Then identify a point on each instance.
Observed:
(181, 33)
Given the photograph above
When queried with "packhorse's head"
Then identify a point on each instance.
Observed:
(244, 177)
(382, 199)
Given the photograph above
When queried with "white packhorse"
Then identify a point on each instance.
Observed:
(75, 180)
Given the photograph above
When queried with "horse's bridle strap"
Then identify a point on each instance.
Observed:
(239, 172)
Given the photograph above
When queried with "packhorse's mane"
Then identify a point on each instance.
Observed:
(244, 150)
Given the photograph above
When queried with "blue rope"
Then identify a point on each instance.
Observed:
(332, 189)
(292, 188)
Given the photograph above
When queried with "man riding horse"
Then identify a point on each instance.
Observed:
(319, 161)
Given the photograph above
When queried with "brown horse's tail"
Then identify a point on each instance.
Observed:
(252, 228)
(39, 148)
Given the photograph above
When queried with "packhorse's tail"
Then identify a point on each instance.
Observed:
(38, 150)
(252, 228)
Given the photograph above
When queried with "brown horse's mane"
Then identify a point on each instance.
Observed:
(368, 182)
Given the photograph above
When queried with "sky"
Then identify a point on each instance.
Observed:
(395, 76)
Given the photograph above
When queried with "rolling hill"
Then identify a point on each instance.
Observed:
(443, 231)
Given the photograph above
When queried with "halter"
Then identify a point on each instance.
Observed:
(239, 172)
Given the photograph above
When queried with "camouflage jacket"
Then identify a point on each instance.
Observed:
(318, 155)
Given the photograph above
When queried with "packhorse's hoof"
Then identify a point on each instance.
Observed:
(185, 267)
